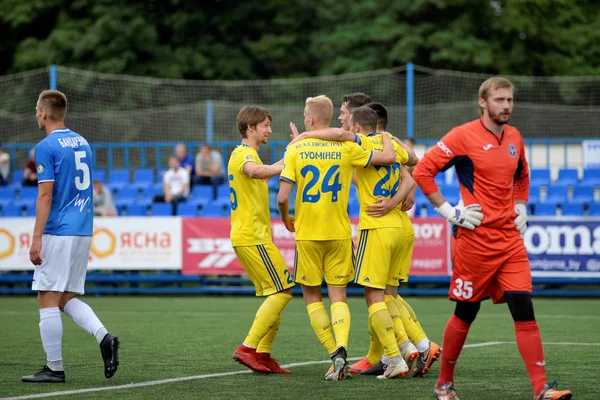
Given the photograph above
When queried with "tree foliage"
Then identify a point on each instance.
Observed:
(259, 39)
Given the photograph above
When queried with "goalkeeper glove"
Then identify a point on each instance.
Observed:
(521, 220)
(468, 217)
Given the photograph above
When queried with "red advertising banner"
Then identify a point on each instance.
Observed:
(207, 249)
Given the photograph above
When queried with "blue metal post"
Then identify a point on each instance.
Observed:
(209, 122)
(53, 77)
(410, 99)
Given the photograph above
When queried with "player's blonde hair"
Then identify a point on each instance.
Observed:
(320, 108)
(55, 104)
(493, 83)
(251, 116)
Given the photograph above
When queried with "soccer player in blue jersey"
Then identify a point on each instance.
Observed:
(62, 238)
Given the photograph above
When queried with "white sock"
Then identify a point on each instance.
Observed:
(423, 345)
(385, 360)
(51, 331)
(84, 316)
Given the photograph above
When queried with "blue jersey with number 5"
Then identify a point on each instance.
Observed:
(65, 158)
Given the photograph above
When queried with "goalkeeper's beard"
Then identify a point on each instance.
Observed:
(499, 118)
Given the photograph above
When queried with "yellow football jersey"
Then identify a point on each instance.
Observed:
(374, 182)
(322, 171)
(250, 216)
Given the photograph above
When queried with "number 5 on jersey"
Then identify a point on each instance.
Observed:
(82, 183)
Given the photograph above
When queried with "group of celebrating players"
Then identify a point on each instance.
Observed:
(488, 254)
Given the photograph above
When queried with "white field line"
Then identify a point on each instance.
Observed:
(220, 374)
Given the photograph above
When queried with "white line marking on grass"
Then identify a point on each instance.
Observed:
(220, 374)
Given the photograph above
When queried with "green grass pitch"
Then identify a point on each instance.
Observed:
(175, 337)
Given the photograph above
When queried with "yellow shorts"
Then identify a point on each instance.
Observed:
(331, 259)
(381, 256)
(407, 242)
(266, 268)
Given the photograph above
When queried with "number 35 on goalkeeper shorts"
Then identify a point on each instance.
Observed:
(462, 289)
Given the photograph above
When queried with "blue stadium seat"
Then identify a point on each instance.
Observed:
(544, 210)
(7, 196)
(594, 210)
(12, 211)
(17, 178)
(354, 209)
(534, 194)
(138, 210)
(353, 196)
(568, 177)
(591, 177)
(30, 210)
(27, 195)
(223, 191)
(556, 195)
(572, 210)
(205, 191)
(440, 179)
(119, 178)
(273, 183)
(161, 209)
(142, 178)
(201, 201)
(431, 210)
(420, 199)
(149, 192)
(215, 209)
(582, 195)
(540, 177)
(451, 194)
(100, 175)
(187, 210)
(128, 194)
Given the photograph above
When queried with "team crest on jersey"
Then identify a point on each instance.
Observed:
(40, 168)
(512, 150)
(248, 157)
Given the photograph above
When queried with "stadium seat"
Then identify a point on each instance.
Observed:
(205, 191)
(127, 195)
(354, 209)
(451, 194)
(353, 196)
(223, 191)
(591, 178)
(534, 194)
(30, 210)
(12, 211)
(187, 210)
(133, 210)
(119, 178)
(539, 177)
(100, 175)
(544, 210)
(7, 196)
(594, 210)
(161, 209)
(142, 178)
(215, 209)
(17, 178)
(149, 192)
(273, 183)
(556, 195)
(572, 210)
(567, 177)
(431, 210)
(27, 195)
(440, 179)
(582, 195)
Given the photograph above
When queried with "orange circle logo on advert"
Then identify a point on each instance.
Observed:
(7, 243)
(104, 243)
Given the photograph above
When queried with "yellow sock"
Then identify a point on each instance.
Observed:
(384, 327)
(267, 314)
(375, 346)
(399, 330)
(415, 334)
(412, 313)
(264, 346)
(340, 320)
(321, 324)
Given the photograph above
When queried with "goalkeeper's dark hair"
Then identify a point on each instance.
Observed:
(251, 116)
(355, 100)
(366, 118)
(382, 114)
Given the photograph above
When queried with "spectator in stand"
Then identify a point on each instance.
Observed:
(30, 172)
(103, 202)
(4, 167)
(176, 185)
(185, 160)
(209, 169)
